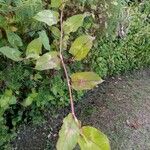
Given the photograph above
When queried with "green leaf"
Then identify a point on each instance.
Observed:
(56, 3)
(55, 31)
(81, 46)
(69, 134)
(93, 139)
(44, 39)
(73, 23)
(29, 100)
(7, 99)
(48, 61)
(11, 53)
(34, 49)
(14, 39)
(85, 80)
(49, 17)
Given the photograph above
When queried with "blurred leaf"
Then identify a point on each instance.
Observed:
(44, 38)
(48, 61)
(69, 134)
(11, 53)
(7, 99)
(14, 39)
(49, 17)
(85, 80)
(29, 100)
(81, 46)
(93, 139)
(73, 23)
(56, 3)
(55, 31)
(34, 49)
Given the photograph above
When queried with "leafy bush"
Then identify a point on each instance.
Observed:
(115, 55)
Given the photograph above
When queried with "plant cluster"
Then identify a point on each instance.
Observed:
(129, 47)
(32, 78)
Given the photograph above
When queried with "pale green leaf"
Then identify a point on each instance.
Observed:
(29, 100)
(11, 53)
(81, 46)
(85, 80)
(49, 17)
(7, 99)
(44, 39)
(56, 3)
(34, 49)
(55, 31)
(73, 23)
(69, 134)
(48, 61)
(93, 139)
(14, 39)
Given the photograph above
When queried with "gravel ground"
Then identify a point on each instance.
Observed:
(120, 107)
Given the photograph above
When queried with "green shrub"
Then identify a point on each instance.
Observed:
(115, 55)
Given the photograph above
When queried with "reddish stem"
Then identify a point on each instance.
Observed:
(64, 66)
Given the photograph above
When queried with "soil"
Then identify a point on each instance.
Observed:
(120, 107)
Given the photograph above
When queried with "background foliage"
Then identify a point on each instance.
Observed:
(122, 29)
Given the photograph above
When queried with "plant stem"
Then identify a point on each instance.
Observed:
(64, 66)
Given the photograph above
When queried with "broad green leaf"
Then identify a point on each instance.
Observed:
(7, 99)
(55, 31)
(44, 39)
(11, 53)
(69, 134)
(85, 80)
(81, 46)
(56, 3)
(93, 139)
(49, 17)
(34, 49)
(14, 39)
(73, 23)
(48, 61)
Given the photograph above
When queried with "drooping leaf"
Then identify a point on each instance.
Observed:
(48, 61)
(56, 3)
(69, 134)
(49, 17)
(34, 49)
(11, 53)
(44, 39)
(14, 39)
(73, 23)
(93, 139)
(55, 31)
(81, 46)
(85, 80)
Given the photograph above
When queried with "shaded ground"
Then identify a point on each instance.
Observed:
(120, 107)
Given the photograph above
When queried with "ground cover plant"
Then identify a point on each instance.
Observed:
(123, 44)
